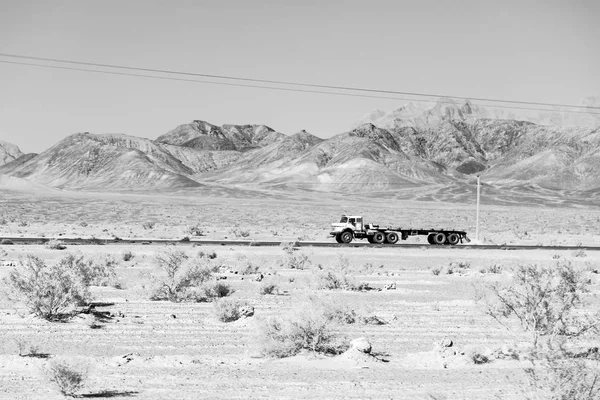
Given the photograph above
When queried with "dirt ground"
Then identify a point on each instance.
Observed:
(164, 350)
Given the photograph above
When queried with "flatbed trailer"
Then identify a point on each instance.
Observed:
(352, 227)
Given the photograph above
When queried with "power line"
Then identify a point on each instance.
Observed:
(170, 78)
(174, 72)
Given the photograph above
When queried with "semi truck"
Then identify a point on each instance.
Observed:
(353, 227)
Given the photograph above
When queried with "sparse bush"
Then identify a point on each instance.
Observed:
(178, 277)
(303, 329)
(338, 276)
(83, 224)
(127, 255)
(246, 266)
(217, 290)
(229, 310)
(69, 376)
(477, 357)
(292, 259)
(3, 221)
(55, 245)
(547, 302)
(268, 288)
(436, 270)
(96, 271)
(195, 230)
(579, 253)
(492, 269)
(148, 225)
(239, 232)
(23, 224)
(210, 256)
(50, 292)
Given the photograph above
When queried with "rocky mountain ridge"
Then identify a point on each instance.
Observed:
(414, 146)
(8, 152)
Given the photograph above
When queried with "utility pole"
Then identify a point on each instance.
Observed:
(477, 218)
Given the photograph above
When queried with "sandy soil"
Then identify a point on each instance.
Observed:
(305, 217)
(163, 350)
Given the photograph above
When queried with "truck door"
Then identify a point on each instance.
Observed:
(359, 223)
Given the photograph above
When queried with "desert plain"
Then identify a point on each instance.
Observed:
(167, 350)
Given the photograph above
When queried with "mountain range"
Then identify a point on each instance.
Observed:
(443, 145)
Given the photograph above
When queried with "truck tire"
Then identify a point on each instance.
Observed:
(439, 238)
(453, 239)
(378, 237)
(391, 237)
(346, 237)
(338, 238)
(430, 239)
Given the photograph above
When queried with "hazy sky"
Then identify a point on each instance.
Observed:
(547, 51)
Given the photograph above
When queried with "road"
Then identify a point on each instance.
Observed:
(129, 241)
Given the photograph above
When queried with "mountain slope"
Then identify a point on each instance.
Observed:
(85, 161)
(8, 152)
(206, 136)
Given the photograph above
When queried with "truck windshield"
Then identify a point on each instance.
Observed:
(344, 220)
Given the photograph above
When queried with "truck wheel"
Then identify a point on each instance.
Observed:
(439, 238)
(430, 239)
(453, 238)
(338, 238)
(391, 237)
(346, 237)
(378, 237)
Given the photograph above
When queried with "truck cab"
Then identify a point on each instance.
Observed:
(344, 230)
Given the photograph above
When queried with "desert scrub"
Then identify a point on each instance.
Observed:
(127, 255)
(50, 292)
(68, 375)
(55, 245)
(268, 288)
(229, 310)
(94, 271)
(149, 225)
(245, 266)
(298, 330)
(548, 303)
(177, 277)
(453, 267)
(195, 230)
(217, 290)
(341, 312)
(491, 269)
(292, 258)
(239, 232)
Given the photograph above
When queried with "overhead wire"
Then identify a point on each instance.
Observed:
(287, 89)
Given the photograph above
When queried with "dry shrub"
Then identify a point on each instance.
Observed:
(179, 278)
(127, 255)
(217, 290)
(268, 288)
(246, 267)
(548, 303)
(312, 325)
(68, 375)
(195, 230)
(50, 292)
(302, 329)
(239, 232)
(94, 271)
(229, 310)
(149, 225)
(55, 245)
(293, 259)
